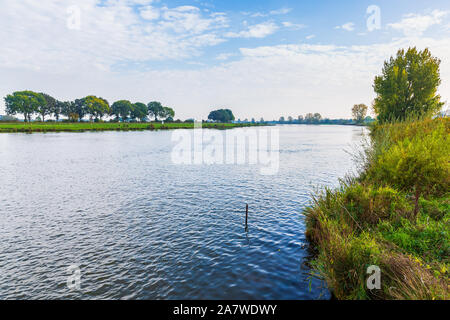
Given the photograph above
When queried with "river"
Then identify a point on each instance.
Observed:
(116, 208)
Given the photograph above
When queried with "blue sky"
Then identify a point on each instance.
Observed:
(260, 58)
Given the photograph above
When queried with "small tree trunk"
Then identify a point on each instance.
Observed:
(416, 203)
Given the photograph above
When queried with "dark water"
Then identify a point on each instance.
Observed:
(140, 227)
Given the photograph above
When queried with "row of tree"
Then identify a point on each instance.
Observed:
(309, 118)
(28, 103)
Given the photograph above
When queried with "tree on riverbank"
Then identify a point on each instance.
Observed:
(157, 110)
(97, 107)
(24, 102)
(221, 115)
(359, 112)
(121, 109)
(139, 111)
(167, 114)
(47, 107)
(313, 118)
(29, 103)
(408, 86)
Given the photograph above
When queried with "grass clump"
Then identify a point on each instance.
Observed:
(394, 215)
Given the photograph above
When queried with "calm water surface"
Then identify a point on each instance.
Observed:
(140, 227)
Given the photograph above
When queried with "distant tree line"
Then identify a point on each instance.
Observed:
(359, 117)
(309, 118)
(29, 103)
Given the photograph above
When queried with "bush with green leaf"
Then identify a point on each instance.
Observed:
(418, 164)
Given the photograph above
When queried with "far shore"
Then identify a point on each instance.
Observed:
(30, 127)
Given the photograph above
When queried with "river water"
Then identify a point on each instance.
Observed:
(114, 207)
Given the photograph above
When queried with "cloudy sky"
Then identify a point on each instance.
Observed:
(260, 58)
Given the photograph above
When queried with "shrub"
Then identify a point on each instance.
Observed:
(436, 208)
(370, 204)
(418, 164)
(370, 219)
(425, 237)
(8, 118)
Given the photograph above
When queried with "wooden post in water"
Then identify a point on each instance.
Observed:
(246, 218)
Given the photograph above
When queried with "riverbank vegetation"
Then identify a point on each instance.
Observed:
(29, 127)
(395, 213)
(29, 103)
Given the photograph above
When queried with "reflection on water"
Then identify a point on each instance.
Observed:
(140, 227)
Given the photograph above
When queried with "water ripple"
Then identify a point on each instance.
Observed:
(140, 227)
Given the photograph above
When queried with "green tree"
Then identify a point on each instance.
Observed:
(139, 111)
(167, 113)
(155, 109)
(222, 115)
(317, 117)
(359, 112)
(24, 102)
(80, 108)
(70, 109)
(58, 109)
(419, 164)
(408, 86)
(309, 118)
(97, 107)
(121, 109)
(48, 107)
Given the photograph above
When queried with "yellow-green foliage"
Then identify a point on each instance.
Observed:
(417, 160)
(371, 220)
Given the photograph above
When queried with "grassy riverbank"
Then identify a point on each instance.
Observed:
(394, 215)
(106, 126)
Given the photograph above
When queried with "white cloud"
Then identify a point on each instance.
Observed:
(349, 26)
(188, 19)
(261, 30)
(293, 26)
(225, 56)
(416, 24)
(280, 11)
(311, 36)
(150, 13)
(300, 78)
(36, 34)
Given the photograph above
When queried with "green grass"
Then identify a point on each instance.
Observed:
(372, 219)
(106, 126)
